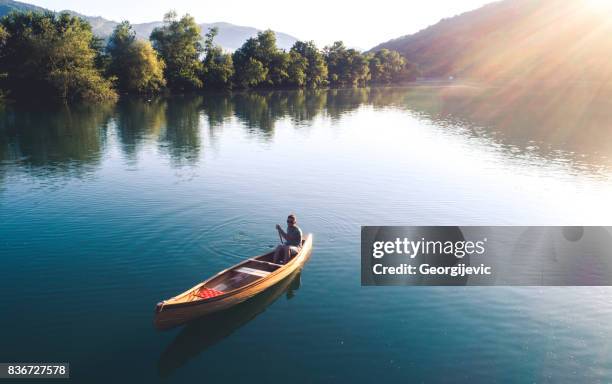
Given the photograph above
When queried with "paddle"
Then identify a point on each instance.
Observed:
(280, 237)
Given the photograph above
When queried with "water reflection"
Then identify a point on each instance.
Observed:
(257, 111)
(138, 120)
(64, 140)
(181, 138)
(201, 334)
(305, 105)
(218, 108)
(573, 127)
(567, 125)
(341, 101)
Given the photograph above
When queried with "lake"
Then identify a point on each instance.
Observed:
(106, 210)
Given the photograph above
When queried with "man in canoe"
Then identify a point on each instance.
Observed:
(293, 241)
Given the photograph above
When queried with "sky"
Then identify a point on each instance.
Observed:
(360, 24)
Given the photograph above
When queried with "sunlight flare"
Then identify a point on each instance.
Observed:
(599, 5)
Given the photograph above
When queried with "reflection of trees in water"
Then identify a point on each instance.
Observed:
(181, 138)
(65, 139)
(304, 106)
(173, 122)
(72, 136)
(138, 120)
(5, 149)
(341, 101)
(260, 111)
(571, 123)
(385, 97)
(257, 111)
(217, 107)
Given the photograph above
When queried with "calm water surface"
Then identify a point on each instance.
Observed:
(104, 211)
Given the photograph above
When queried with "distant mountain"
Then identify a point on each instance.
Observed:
(7, 6)
(543, 40)
(233, 36)
(230, 36)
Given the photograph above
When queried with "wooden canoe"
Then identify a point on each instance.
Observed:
(228, 288)
(201, 334)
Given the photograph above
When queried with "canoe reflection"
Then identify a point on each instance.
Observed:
(200, 334)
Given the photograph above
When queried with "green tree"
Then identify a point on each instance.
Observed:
(209, 39)
(251, 73)
(261, 52)
(3, 38)
(335, 59)
(133, 62)
(145, 70)
(120, 40)
(297, 69)
(316, 68)
(52, 55)
(359, 69)
(218, 66)
(279, 68)
(346, 66)
(178, 43)
(386, 66)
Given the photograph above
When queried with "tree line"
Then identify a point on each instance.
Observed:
(57, 56)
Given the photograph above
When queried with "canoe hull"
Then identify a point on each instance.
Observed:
(170, 316)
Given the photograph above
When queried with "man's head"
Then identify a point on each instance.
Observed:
(291, 220)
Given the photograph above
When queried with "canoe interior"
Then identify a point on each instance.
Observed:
(232, 279)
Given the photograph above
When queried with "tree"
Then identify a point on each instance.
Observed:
(3, 38)
(209, 40)
(144, 70)
(52, 55)
(218, 66)
(297, 70)
(386, 66)
(279, 68)
(133, 62)
(359, 73)
(261, 51)
(251, 73)
(121, 38)
(316, 68)
(178, 43)
(334, 57)
(346, 66)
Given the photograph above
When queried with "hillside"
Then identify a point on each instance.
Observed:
(548, 40)
(7, 6)
(230, 36)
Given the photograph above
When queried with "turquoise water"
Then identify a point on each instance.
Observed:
(106, 210)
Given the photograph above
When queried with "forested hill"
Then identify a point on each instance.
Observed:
(546, 40)
(7, 6)
(230, 36)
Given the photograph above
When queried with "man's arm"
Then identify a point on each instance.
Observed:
(282, 233)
